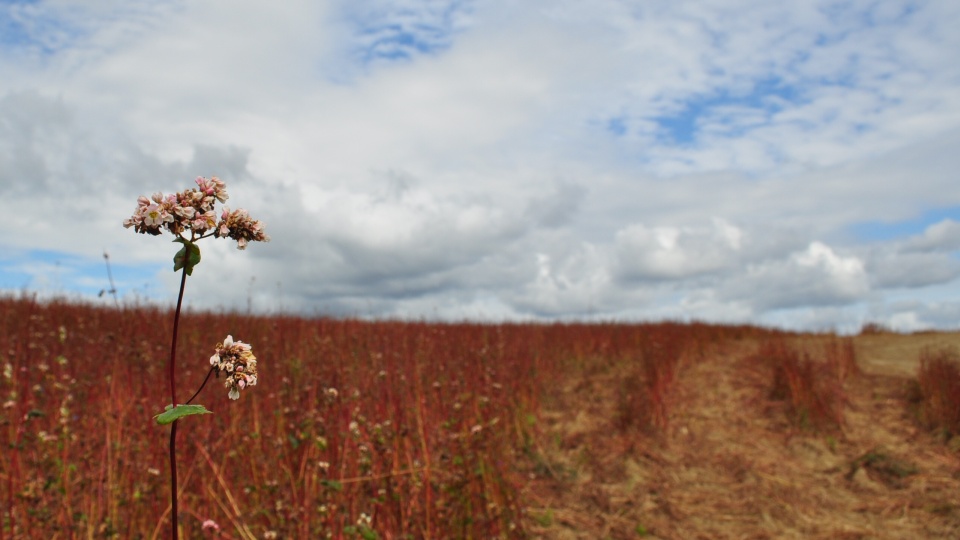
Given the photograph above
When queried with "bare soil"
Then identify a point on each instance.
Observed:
(731, 464)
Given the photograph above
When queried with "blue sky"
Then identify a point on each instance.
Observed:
(882, 231)
(398, 32)
(785, 163)
(764, 98)
(66, 274)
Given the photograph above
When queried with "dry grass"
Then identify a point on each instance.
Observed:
(648, 382)
(898, 354)
(938, 385)
(811, 390)
(733, 465)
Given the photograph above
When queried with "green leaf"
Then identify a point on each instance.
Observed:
(332, 484)
(174, 413)
(187, 257)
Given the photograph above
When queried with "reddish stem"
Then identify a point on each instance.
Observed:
(209, 373)
(173, 402)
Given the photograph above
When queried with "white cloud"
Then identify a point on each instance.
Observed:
(891, 268)
(659, 253)
(816, 276)
(577, 285)
(605, 159)
(941, 236)
(922, 260)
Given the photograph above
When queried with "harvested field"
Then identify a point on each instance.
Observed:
(732, 465)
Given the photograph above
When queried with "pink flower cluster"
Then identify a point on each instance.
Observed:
(239, 226)
(193, 210)
(236, 360)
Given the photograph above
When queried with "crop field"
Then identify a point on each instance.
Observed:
(389, 429)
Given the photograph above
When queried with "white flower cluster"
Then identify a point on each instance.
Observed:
(193, 210)
(238, 362)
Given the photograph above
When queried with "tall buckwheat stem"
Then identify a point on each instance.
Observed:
(190, 214)
(173, 345)
(173, 399)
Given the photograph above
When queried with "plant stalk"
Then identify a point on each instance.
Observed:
(173, 401)
(209, 373)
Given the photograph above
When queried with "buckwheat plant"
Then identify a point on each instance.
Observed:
(190, 216)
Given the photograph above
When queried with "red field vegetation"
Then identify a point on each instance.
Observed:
(410, 429)
(372, 429)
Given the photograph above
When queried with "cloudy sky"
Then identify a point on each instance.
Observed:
(786, 163)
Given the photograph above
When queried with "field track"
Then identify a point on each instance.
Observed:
(730, 465)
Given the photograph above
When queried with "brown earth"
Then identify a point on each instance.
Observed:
(730, 464)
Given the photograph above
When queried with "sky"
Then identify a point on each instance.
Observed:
(790, 164)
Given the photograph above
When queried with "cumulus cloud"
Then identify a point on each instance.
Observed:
(498, 159)
(557, 207)
(576, 284)
(925, 259)
(892, 268)
(943, 236)
(660, 253)
(816, 276)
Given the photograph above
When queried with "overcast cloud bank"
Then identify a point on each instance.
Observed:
(786, 163)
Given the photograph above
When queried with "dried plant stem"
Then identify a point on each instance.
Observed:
(167, 510)
(233, 513)
(113, 287)
(424, 446)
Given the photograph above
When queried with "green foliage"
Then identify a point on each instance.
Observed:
(544, 519)
(187, 257)
(889, 469)
(172, 413)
